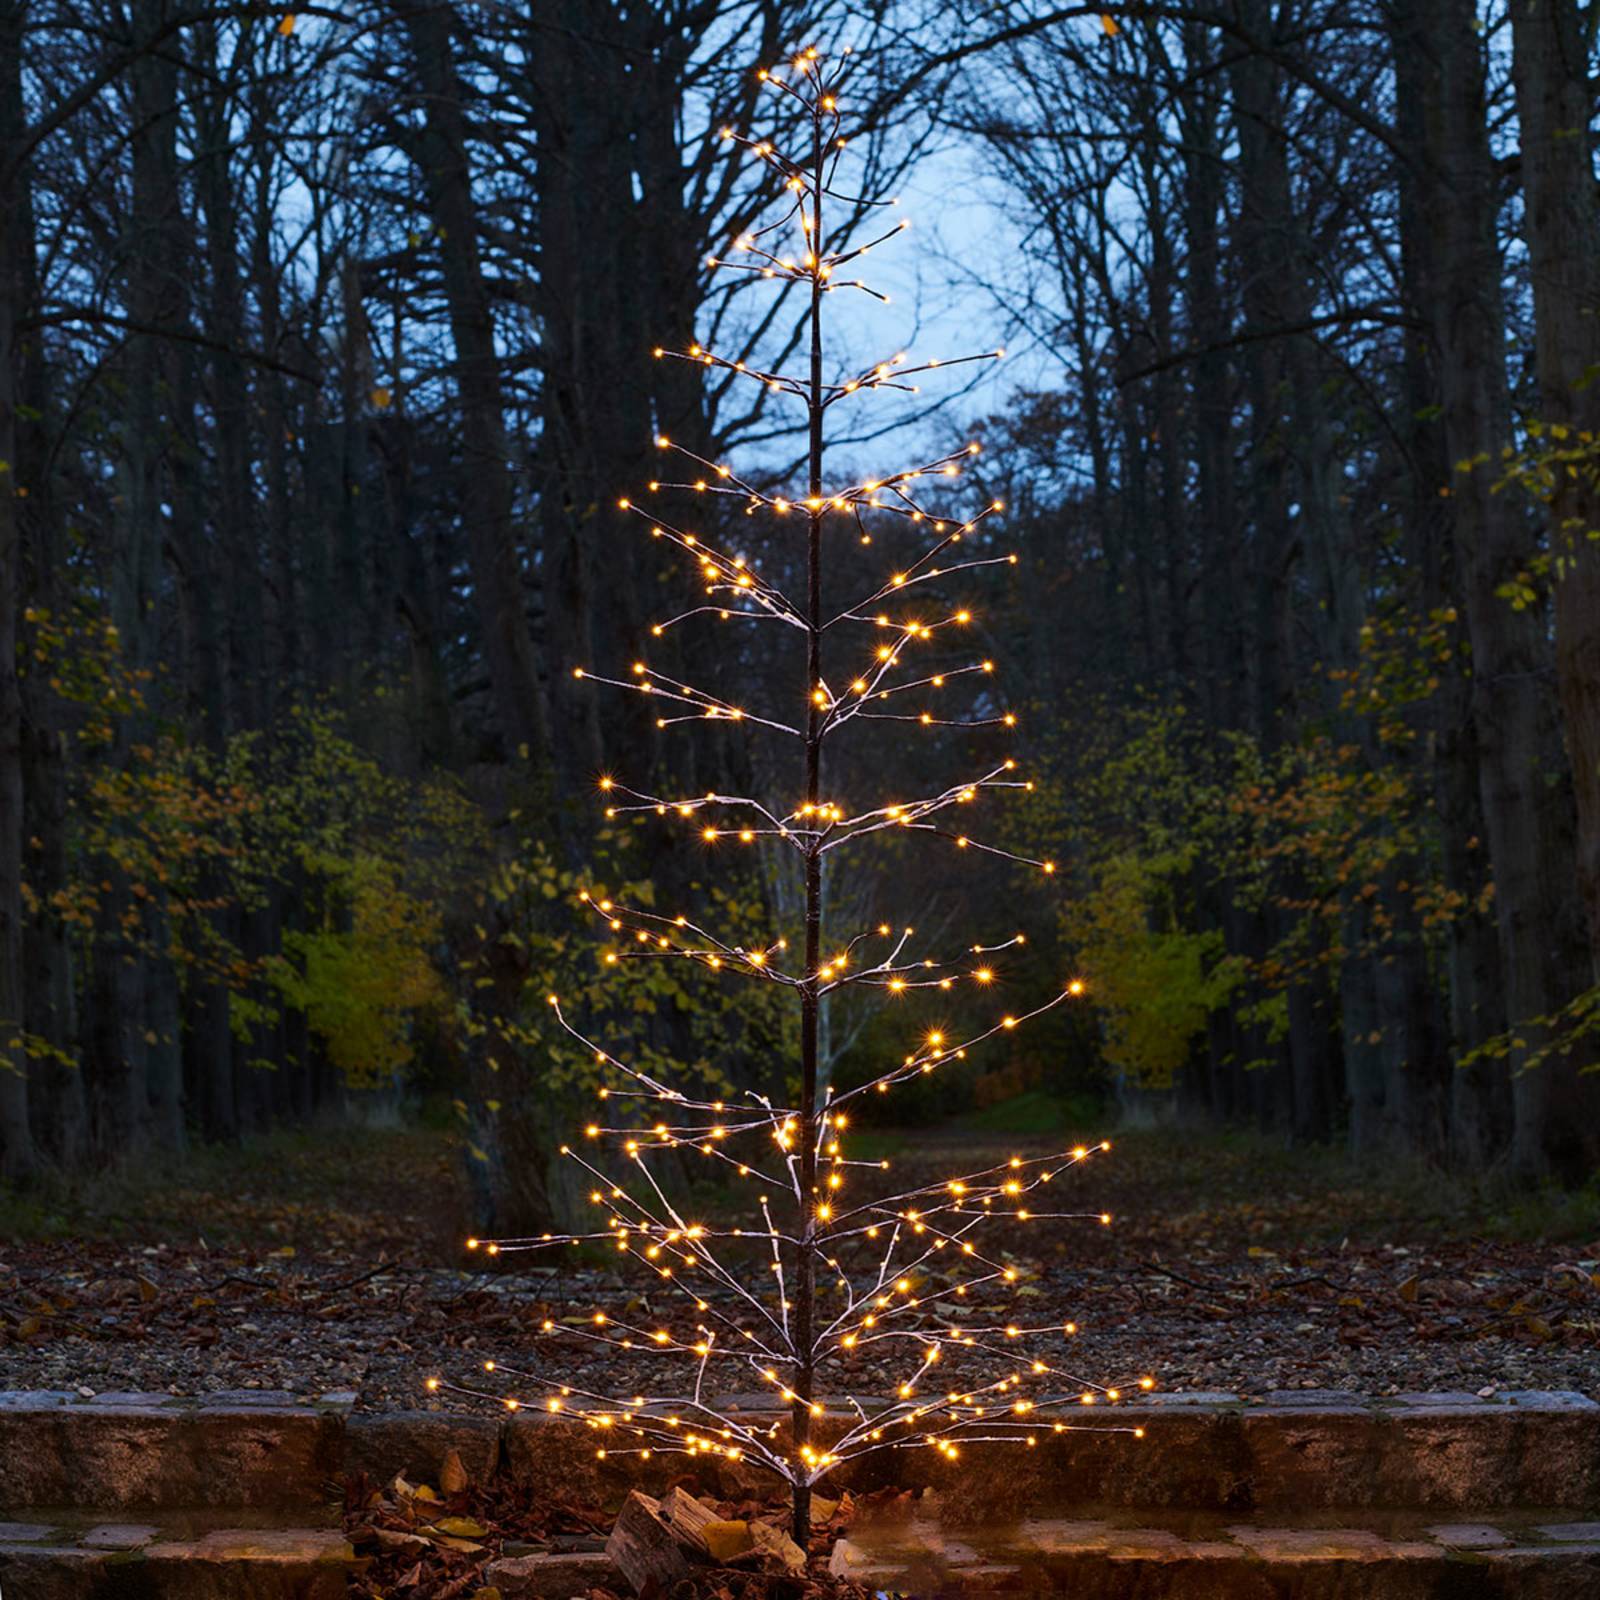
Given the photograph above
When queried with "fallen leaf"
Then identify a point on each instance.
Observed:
(452, 1474)
(765, 1537)
(391, 1540)
(450, 1542)
(724, 1540)
(461, 1527)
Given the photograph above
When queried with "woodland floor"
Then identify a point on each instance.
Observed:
(321, 1263)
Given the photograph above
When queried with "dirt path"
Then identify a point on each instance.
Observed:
(321, 1264)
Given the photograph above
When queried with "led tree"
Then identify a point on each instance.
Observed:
(849, 1275)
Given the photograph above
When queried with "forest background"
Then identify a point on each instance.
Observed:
(327, 346)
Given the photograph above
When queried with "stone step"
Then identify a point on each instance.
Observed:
(145, 1453)
(1488, 1558)
(1439, 1454)
(1443, 1454)
(552, 1577)
(72, 1557)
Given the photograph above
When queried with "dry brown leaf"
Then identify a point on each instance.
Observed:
(453, 1474)
(767, 1538)
(450, 1542)
(725, 1540)
(392, 1540)
(461, 1527)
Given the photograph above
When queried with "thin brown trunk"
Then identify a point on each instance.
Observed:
(806, 1263)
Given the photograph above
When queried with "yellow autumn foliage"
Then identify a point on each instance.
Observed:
(361, 985)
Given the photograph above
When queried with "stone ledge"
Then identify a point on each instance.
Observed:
(380, 1444)
(1096, 1561)
(225, 1564)
(129, 1458)
(1428, 1453)
(1488, 1557)
(550, 1577)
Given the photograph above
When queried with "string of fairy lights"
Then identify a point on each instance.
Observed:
(899, 1279)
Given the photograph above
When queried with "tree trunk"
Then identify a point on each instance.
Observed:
(1479, 1118)
(1552, 45)
(1260, 263)
(1523, 774)
(1223, 650)
(1552, 71)
(17, 1153)
(487, 511)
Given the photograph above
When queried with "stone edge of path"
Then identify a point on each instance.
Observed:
(1304, 1450)
(222, 1564)
(1092, 1560)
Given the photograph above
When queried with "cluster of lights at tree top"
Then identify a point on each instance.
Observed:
(884, 1256)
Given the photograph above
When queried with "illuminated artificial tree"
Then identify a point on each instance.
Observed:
(874, 1255)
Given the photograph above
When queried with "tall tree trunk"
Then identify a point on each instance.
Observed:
(605, 99)
(1523, 774)
(146, 1074)
(268, 664)
(229, 561)
(1315, 1066)
(1480, 1114)
(356, 505)
(1223, 650)
(1260, 262)
(1287, 423)
(1162, 289)
(229, 556)
(1553, 70)
(487, 510)
(17, 1153)
(1115, 634)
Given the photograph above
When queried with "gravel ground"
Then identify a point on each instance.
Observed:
(328, 1266)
